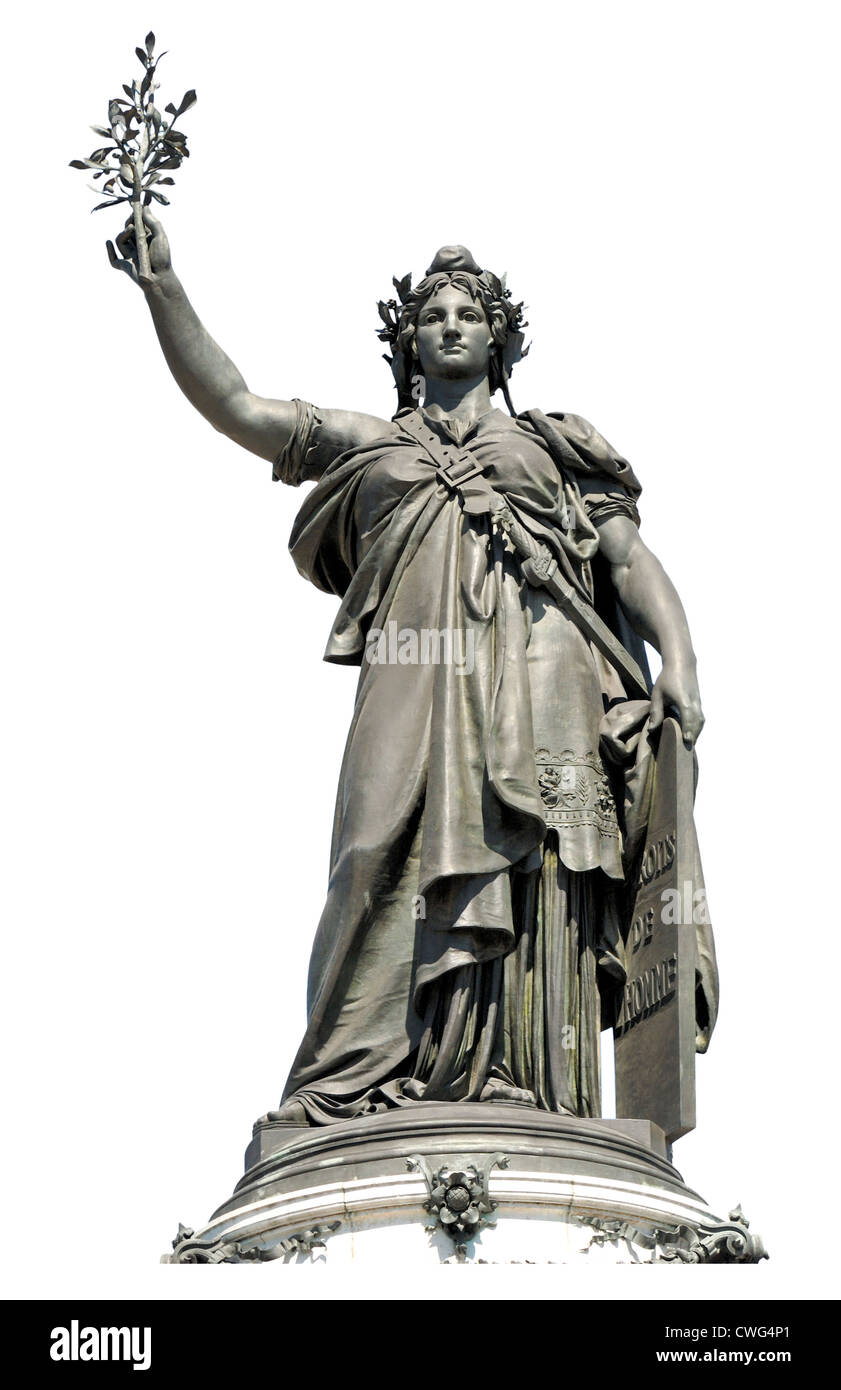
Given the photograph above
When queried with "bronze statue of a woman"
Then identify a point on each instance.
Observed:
(473, 940)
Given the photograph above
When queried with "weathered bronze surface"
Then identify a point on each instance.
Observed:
(660, 1023)
(491, 817)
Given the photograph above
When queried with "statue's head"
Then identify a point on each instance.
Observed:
(459, 321)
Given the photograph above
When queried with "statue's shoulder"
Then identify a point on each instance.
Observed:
(351, 429)
(579, 446)
(574, 429)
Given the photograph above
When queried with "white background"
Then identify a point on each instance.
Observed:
(660, 183)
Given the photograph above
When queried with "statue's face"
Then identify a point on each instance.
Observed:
(453, 337)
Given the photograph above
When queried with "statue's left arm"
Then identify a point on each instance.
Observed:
(654, 609)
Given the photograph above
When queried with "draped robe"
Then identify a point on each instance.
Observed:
(472, 935)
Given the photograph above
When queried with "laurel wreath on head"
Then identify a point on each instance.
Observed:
(393, 311)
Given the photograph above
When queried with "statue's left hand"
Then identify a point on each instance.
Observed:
(677, 686)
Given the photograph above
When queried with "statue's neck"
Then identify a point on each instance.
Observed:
(467, 399)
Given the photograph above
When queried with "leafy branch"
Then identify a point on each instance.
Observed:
(142, 148)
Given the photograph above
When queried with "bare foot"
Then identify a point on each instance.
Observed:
(497, 1090)
(292, 1113)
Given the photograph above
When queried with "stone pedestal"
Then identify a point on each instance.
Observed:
(468, 1183)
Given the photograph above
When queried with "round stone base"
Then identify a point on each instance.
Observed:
(467, 1183)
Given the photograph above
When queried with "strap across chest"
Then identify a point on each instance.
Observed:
(459, 470)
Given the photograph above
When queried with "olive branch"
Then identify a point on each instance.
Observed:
(142, 148)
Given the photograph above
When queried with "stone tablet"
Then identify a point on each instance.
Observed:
(654, 1035)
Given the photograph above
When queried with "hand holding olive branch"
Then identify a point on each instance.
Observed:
(133, 167)
(135, 164)
(158, 251)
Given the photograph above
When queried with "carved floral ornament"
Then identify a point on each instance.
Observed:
(458, 1198)
(708, 1242)
(187, 1249)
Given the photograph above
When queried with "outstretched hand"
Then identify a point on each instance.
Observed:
(159, 256)
(677, 687)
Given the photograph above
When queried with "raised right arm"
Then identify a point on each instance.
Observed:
(208, 377)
